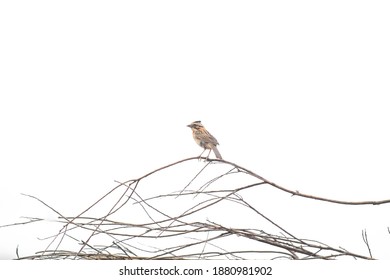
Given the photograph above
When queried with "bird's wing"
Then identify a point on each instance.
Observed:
(211, 138)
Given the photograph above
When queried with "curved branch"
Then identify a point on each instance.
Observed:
(297, 193)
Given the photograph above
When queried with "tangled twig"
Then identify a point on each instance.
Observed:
(187, 223)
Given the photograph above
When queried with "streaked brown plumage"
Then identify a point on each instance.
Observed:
(204, 139)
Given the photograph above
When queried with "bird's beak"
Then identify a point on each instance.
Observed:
(189, 125)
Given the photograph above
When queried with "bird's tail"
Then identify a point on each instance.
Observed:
(216, 152)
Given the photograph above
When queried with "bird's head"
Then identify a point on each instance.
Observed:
(195, 124)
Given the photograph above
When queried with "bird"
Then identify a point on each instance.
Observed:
(204, 139)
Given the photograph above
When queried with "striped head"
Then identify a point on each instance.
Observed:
(195, 125)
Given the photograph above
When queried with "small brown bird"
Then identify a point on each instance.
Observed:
(204, 139)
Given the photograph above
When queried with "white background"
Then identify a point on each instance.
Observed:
(297, 91)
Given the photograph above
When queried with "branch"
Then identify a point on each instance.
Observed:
(297, 193)
(162, 219)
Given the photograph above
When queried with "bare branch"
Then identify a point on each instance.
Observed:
(144, 223)
(365, 239)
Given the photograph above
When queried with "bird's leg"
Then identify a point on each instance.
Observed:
(201, 154)
(207, 158)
